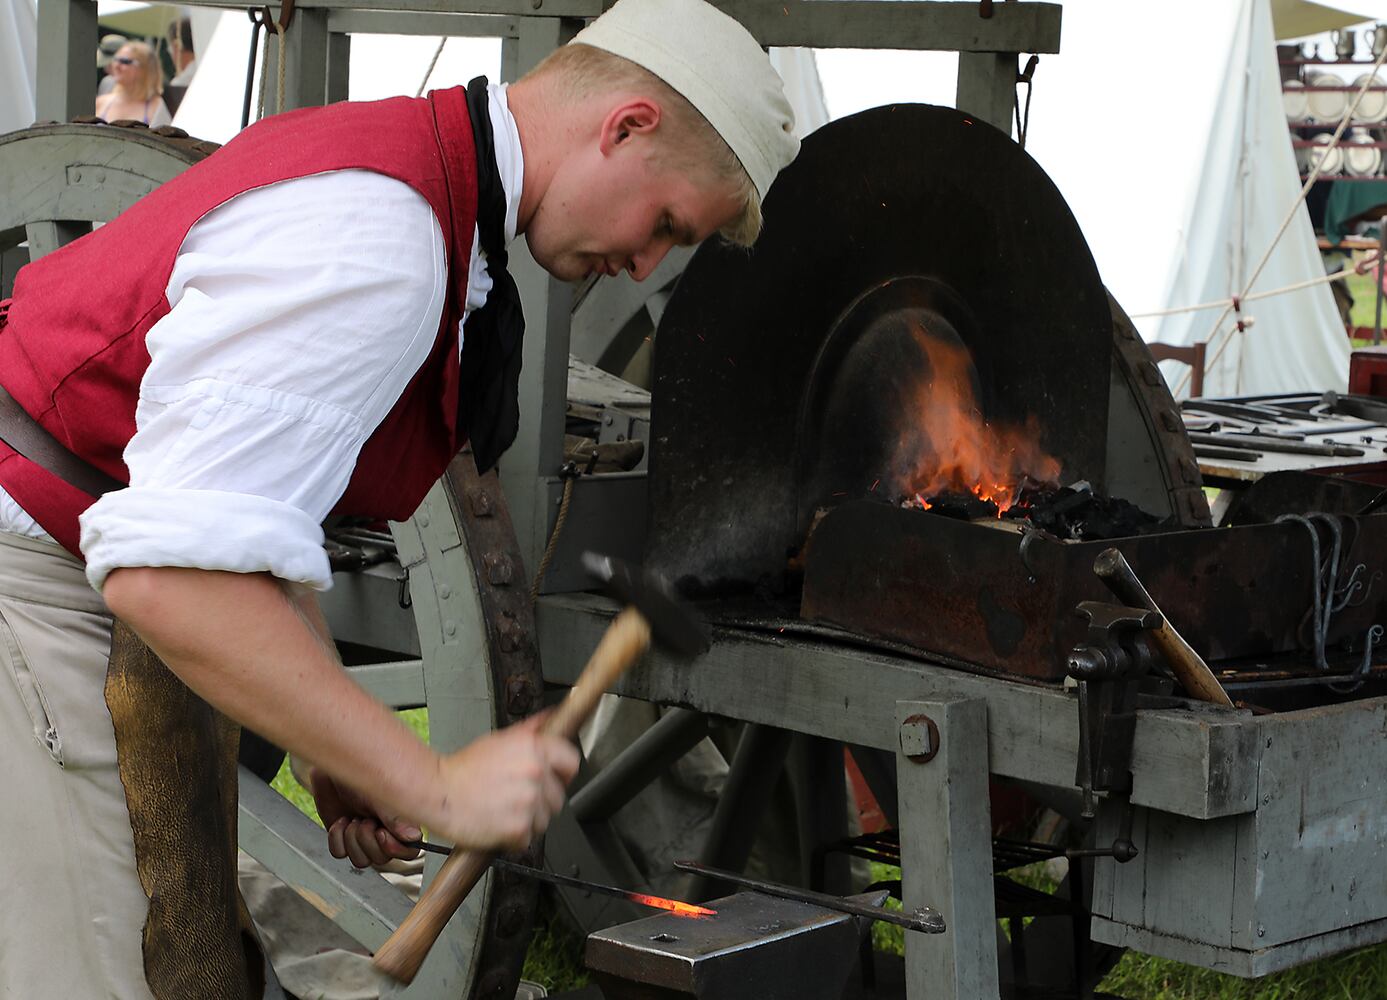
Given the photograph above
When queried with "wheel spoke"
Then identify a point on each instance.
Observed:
(52, 234)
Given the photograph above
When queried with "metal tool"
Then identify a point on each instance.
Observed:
(922, 919)
(1190, 669)
(677, 906)
(652, 610)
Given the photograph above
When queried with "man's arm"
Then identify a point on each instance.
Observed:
(240, 642)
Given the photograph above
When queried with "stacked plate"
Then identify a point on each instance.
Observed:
(1373, 106)
(1329, 160)
(1295, 99)
(1327, 105)
(1361, 160)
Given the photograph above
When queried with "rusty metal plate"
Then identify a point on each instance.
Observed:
(971, 592)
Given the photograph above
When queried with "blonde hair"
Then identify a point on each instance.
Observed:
(692, 145)
(152, 84)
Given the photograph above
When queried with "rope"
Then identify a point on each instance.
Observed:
(1360, 268)
(549, 549)
(265, 70)
(1235, 301)
(432, 63)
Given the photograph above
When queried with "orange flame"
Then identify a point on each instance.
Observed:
(950, 448)
(672, 905)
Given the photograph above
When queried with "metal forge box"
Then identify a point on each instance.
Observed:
(786, 382)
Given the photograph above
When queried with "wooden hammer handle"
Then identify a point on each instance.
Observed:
(404, 952)
(1194, 674)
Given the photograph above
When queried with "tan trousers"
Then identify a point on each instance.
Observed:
(73, 907)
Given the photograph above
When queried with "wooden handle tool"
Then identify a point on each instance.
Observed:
(404, 952)
(1190, 669)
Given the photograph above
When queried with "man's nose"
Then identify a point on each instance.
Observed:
(647, 260)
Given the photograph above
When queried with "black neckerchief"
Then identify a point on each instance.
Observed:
(489, 381)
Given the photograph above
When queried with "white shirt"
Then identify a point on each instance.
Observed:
(299, 313)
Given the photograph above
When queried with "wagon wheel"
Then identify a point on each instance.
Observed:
(56, 180)
(444, 625)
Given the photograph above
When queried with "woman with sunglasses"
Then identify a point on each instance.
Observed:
(139, 81)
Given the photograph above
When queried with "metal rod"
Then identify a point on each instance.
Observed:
(1261, 442)
(1227, 454)
(672, 736)
(1381, 250)
(923, 919)
(539, 874)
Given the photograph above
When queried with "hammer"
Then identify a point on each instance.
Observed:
(651, 608)
(1194, 674)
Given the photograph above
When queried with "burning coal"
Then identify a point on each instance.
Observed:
(948, 447)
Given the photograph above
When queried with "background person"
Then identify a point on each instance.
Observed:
(139, 82)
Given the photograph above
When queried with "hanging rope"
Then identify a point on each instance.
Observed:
(432, 63)
(281, 24)
(1281, 231)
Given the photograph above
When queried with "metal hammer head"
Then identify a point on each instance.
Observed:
(672, 622)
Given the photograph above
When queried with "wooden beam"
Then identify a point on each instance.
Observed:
(66, 59)
(1193, 762)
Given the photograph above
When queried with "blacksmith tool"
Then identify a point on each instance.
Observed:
(1190, 669)
(651, 608)
(676, 906)
(922, 919)
(758, 946)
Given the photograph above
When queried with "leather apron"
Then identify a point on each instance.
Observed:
(177, 761)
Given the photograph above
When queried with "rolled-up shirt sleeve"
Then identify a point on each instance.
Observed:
(299, 314)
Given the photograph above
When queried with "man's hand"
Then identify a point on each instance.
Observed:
(355, 828)
(500, 791)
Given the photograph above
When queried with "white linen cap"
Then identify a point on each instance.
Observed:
(715, 64)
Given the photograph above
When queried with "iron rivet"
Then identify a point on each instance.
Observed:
(1261, 931)
(919, 738)
(445, 591)
(1265, 855)
(450, 627)
(77, 177)
(1268, 741)
(423, 519)
(1266, 799)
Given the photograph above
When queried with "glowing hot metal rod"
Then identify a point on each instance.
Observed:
(675, 906)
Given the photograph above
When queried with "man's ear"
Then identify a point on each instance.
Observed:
(631, 118)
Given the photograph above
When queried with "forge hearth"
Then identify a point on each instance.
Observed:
(1004, 600)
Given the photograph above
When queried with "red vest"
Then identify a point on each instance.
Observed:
(73, 350)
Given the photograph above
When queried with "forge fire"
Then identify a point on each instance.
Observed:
(947, 447)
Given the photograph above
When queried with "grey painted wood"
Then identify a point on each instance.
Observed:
(294, 848)
(66, 84)
(339, 64)
(1247, 964)
(49, 235)
(364, 608)
(946, 853)
(305, 62)
(987, 87)
(867, 24)
(537, 453)
(400, 23)
(546, 9)
(607, 514)
(78, 172)
(1321, 833)
(458, 684)
(399, 684)
(849, 694)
